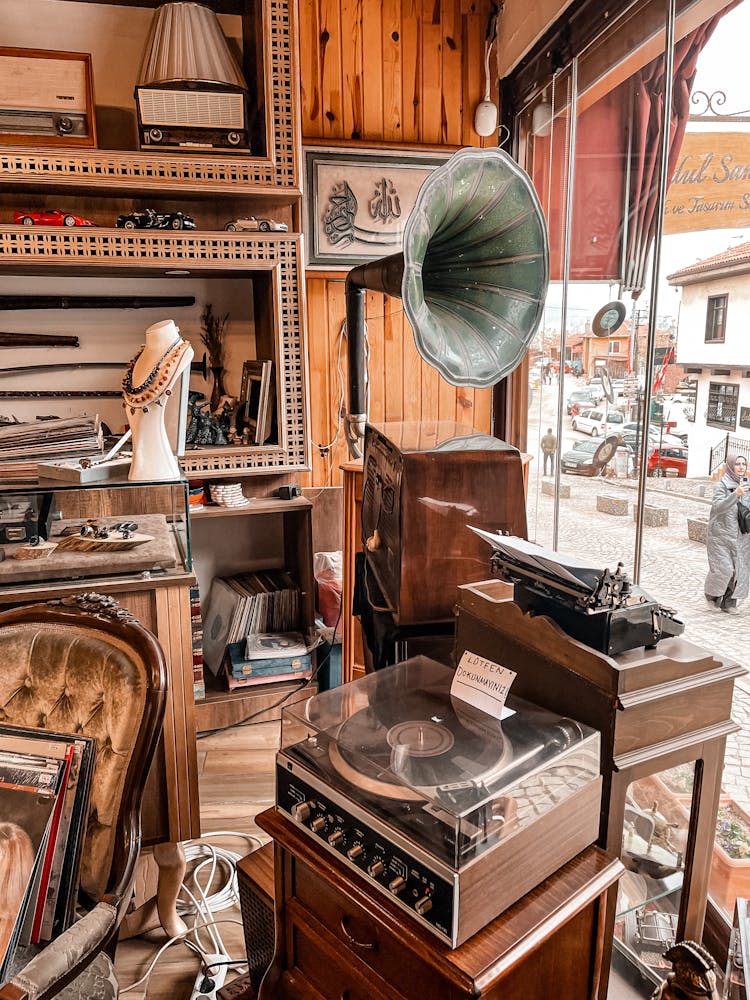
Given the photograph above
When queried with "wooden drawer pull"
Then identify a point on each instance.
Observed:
(364, 945)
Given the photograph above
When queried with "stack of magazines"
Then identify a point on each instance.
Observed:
(266, 658)
(246, 604)
(45, 779)
(23, 445)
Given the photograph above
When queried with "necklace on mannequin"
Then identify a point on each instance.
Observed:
(156, 384)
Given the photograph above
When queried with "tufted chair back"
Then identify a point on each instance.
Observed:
(84, 666)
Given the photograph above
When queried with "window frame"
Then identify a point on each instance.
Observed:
(716, 332)
(718, 390)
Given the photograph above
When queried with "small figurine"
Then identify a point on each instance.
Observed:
(693, 976)
(54, 217)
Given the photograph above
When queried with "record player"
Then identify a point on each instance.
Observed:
(452, 813)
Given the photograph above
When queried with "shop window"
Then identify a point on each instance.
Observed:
(716, 319)
(722, 405)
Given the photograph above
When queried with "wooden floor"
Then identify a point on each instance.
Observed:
(236, 783)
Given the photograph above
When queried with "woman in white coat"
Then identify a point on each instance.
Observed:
(727, 547)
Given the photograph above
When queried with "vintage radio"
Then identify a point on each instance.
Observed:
(425, 483)
(46, 98)
(190, 92)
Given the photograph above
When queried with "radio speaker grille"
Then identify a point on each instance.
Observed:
(189, 108)
(255, 879)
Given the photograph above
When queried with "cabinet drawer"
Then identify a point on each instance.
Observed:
(336, 976)
(363, 935)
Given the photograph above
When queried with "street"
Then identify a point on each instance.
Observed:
(673, 567)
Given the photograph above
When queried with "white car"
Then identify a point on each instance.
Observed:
(633, 431)
(598, 422)
(250, 224)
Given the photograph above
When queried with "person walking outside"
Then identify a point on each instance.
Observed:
(728, 539)
(549, 447)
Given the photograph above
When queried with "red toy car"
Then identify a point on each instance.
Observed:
(52, 218)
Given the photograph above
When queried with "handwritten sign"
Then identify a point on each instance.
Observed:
(482, 683)
(710, 186)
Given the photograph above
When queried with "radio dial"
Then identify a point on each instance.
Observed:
(336, 838)
(156, 135)
(376, 868)
(355, 852)
(317, 824)
(396, 885)
(65, 125)
(423, 905)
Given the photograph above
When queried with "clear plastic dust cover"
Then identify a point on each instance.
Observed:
(451, 778)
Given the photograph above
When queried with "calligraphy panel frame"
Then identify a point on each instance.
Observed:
(358, 201)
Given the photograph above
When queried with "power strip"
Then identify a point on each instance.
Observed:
(206, 987)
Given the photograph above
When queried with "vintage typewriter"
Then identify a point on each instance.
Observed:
(600, 608)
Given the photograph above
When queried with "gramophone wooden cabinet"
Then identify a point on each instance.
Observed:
(664, 716)
(334, 939)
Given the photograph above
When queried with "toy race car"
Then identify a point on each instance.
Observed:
(149, 219)
(252, 225)
(52, 218)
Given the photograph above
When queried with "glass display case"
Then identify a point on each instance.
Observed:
(57, 531)
(655, 844)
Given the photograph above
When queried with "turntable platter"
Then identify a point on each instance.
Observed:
(417, 743)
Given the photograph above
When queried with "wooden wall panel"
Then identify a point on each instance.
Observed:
(401, 73)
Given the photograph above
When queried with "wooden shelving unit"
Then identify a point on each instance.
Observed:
(215, 187)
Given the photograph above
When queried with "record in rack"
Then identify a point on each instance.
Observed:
(422, 742)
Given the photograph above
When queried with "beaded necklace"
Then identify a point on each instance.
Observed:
(155, 385)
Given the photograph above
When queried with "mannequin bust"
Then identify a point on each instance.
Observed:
(147, 386)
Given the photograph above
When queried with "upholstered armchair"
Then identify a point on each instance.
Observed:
(84, 665)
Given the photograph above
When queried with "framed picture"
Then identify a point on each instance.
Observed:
(358, 202)
(257, 398)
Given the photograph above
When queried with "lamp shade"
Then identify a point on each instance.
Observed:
(186, 45)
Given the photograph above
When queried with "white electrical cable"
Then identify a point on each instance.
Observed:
(177, 937)
(202, 902)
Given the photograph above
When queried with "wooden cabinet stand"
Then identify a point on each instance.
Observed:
(334, 939)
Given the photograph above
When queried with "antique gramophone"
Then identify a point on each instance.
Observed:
(473, 276)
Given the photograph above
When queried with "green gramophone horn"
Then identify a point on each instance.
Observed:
(473, 276)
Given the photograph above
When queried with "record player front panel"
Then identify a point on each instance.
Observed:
(452, 903)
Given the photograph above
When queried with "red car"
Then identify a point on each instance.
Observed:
(52, 218)
(667, 457)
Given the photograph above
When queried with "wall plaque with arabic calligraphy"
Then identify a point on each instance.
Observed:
(358, 202)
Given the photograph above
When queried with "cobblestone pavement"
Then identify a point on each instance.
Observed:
(673, 569)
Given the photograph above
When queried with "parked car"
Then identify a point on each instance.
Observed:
(576, 408)
(149, 219)
(250, 224)
(596, 389)
(663, 458)
(632, 433)
(598, 422)
(579, 396)
(52, 218)
(579, 460)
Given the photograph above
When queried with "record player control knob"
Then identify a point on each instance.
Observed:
(317, 824)
(376, 868)
(301, 812)
(396, 885)
(336, 837)
(355, 852)
(423, 905)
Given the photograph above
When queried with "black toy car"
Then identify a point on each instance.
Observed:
(149, 219)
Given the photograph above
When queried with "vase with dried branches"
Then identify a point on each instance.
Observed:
(212, 334)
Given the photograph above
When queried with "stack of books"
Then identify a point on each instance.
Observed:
(267, 657)
(45, 780)
(238, 606)
(24, 445)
